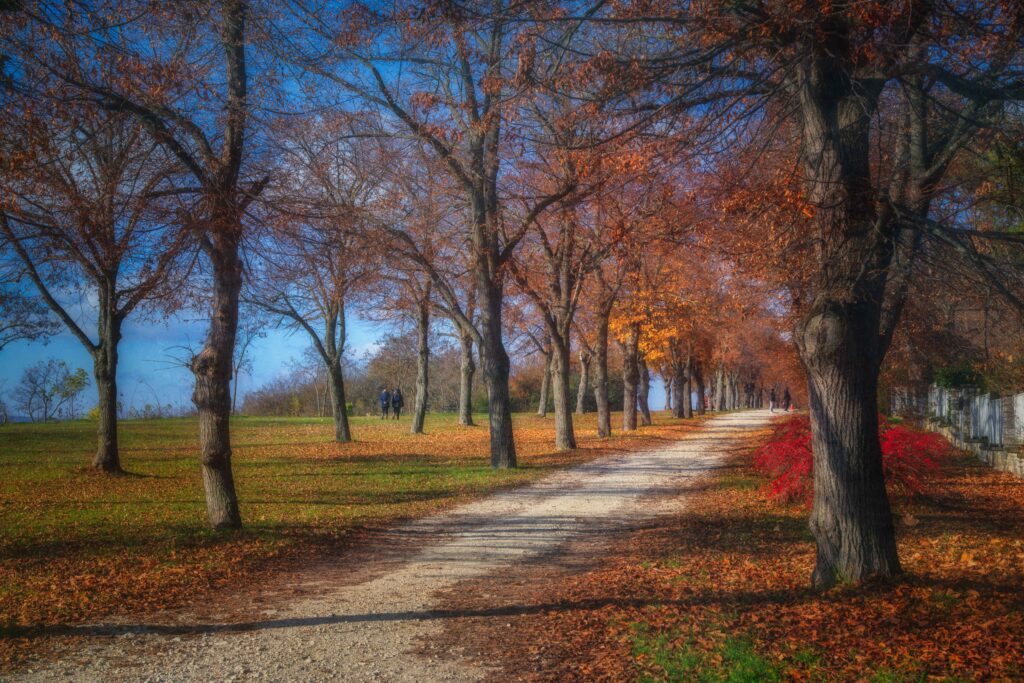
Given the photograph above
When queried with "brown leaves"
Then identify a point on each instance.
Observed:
(734, 569)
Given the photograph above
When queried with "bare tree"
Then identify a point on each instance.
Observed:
(83, 214)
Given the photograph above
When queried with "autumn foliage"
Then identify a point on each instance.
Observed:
(909, 456)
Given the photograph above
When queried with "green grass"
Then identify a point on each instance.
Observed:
(67, 530)
(666, 657)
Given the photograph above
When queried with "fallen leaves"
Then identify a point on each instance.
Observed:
(722, 590)
(78, 546)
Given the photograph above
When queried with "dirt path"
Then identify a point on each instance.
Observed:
(326, 623)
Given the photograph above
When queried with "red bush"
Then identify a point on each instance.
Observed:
(786, 458)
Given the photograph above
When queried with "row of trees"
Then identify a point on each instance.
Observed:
(698, 184)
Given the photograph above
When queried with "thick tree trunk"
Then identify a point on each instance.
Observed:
(336, 383)
(644, 391)
(419, 415)
(584, 385)
(630, 379)
(604, 414)
(468, 368)
(212, 392)
(108, 458)
(698, 374)
(565, 437)
(851, 520)
(496, 372)
(667, 382)
(545, 388)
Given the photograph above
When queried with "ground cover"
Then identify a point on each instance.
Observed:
(719, 593)
(77, 545)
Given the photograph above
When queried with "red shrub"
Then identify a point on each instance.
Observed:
(907, 456)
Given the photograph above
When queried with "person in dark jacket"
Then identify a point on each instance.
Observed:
(397, 402)
(786, 399)
(385, 403)
(771, 401)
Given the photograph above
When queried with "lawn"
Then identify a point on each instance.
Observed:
(79, 545)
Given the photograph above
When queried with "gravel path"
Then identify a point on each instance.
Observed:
(326, 623)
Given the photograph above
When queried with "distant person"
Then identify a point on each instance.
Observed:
(771, 401)
(397, 401)
(385, 403)
(786, 398)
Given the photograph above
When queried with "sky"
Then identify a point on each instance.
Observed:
(151, 353)
(150, 368)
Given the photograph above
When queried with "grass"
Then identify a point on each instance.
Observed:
(76, 544)
(666, 658)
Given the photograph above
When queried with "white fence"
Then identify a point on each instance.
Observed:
(995, 420)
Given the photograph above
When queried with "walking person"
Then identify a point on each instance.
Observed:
(771, 401)
(397, 402)
(786, 398)
(385, 403)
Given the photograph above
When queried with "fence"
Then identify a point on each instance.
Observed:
(990, 425)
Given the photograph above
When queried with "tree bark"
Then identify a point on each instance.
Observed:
(468, 368)
(545, 387)
(108, 458)
(720, 398)
(630, 378)
(851, 520)
(212, 370)
(604, 414)
(667, 383)
(698, 373)
(839, 336)
(584, 385)
(496, 372)
(422, 366)
(688, 388)
(565, 437)
(336, 382)
(644, 391)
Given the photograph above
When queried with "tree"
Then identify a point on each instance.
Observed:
(47, 387)
(919, 80)
(316, 257)
(459, 101)
(82, 210)
(181, 71)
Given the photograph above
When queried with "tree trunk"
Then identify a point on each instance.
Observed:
(698, 374)
(581, 390)
(688, 388)
(212, 392)
(644, 391)
(851, 520)
(720, 389)
(667, 382)
(336, 382)
(565, 437)
(108, 458)
(604, 414)
(630, 379)
(496, 371)
(422, 367)
(545, 387)
(468, 368)
(678, 390)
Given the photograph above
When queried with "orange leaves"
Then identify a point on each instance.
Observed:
(732, 568)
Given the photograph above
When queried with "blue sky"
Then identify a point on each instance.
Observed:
(150, 352)
(149, 369)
